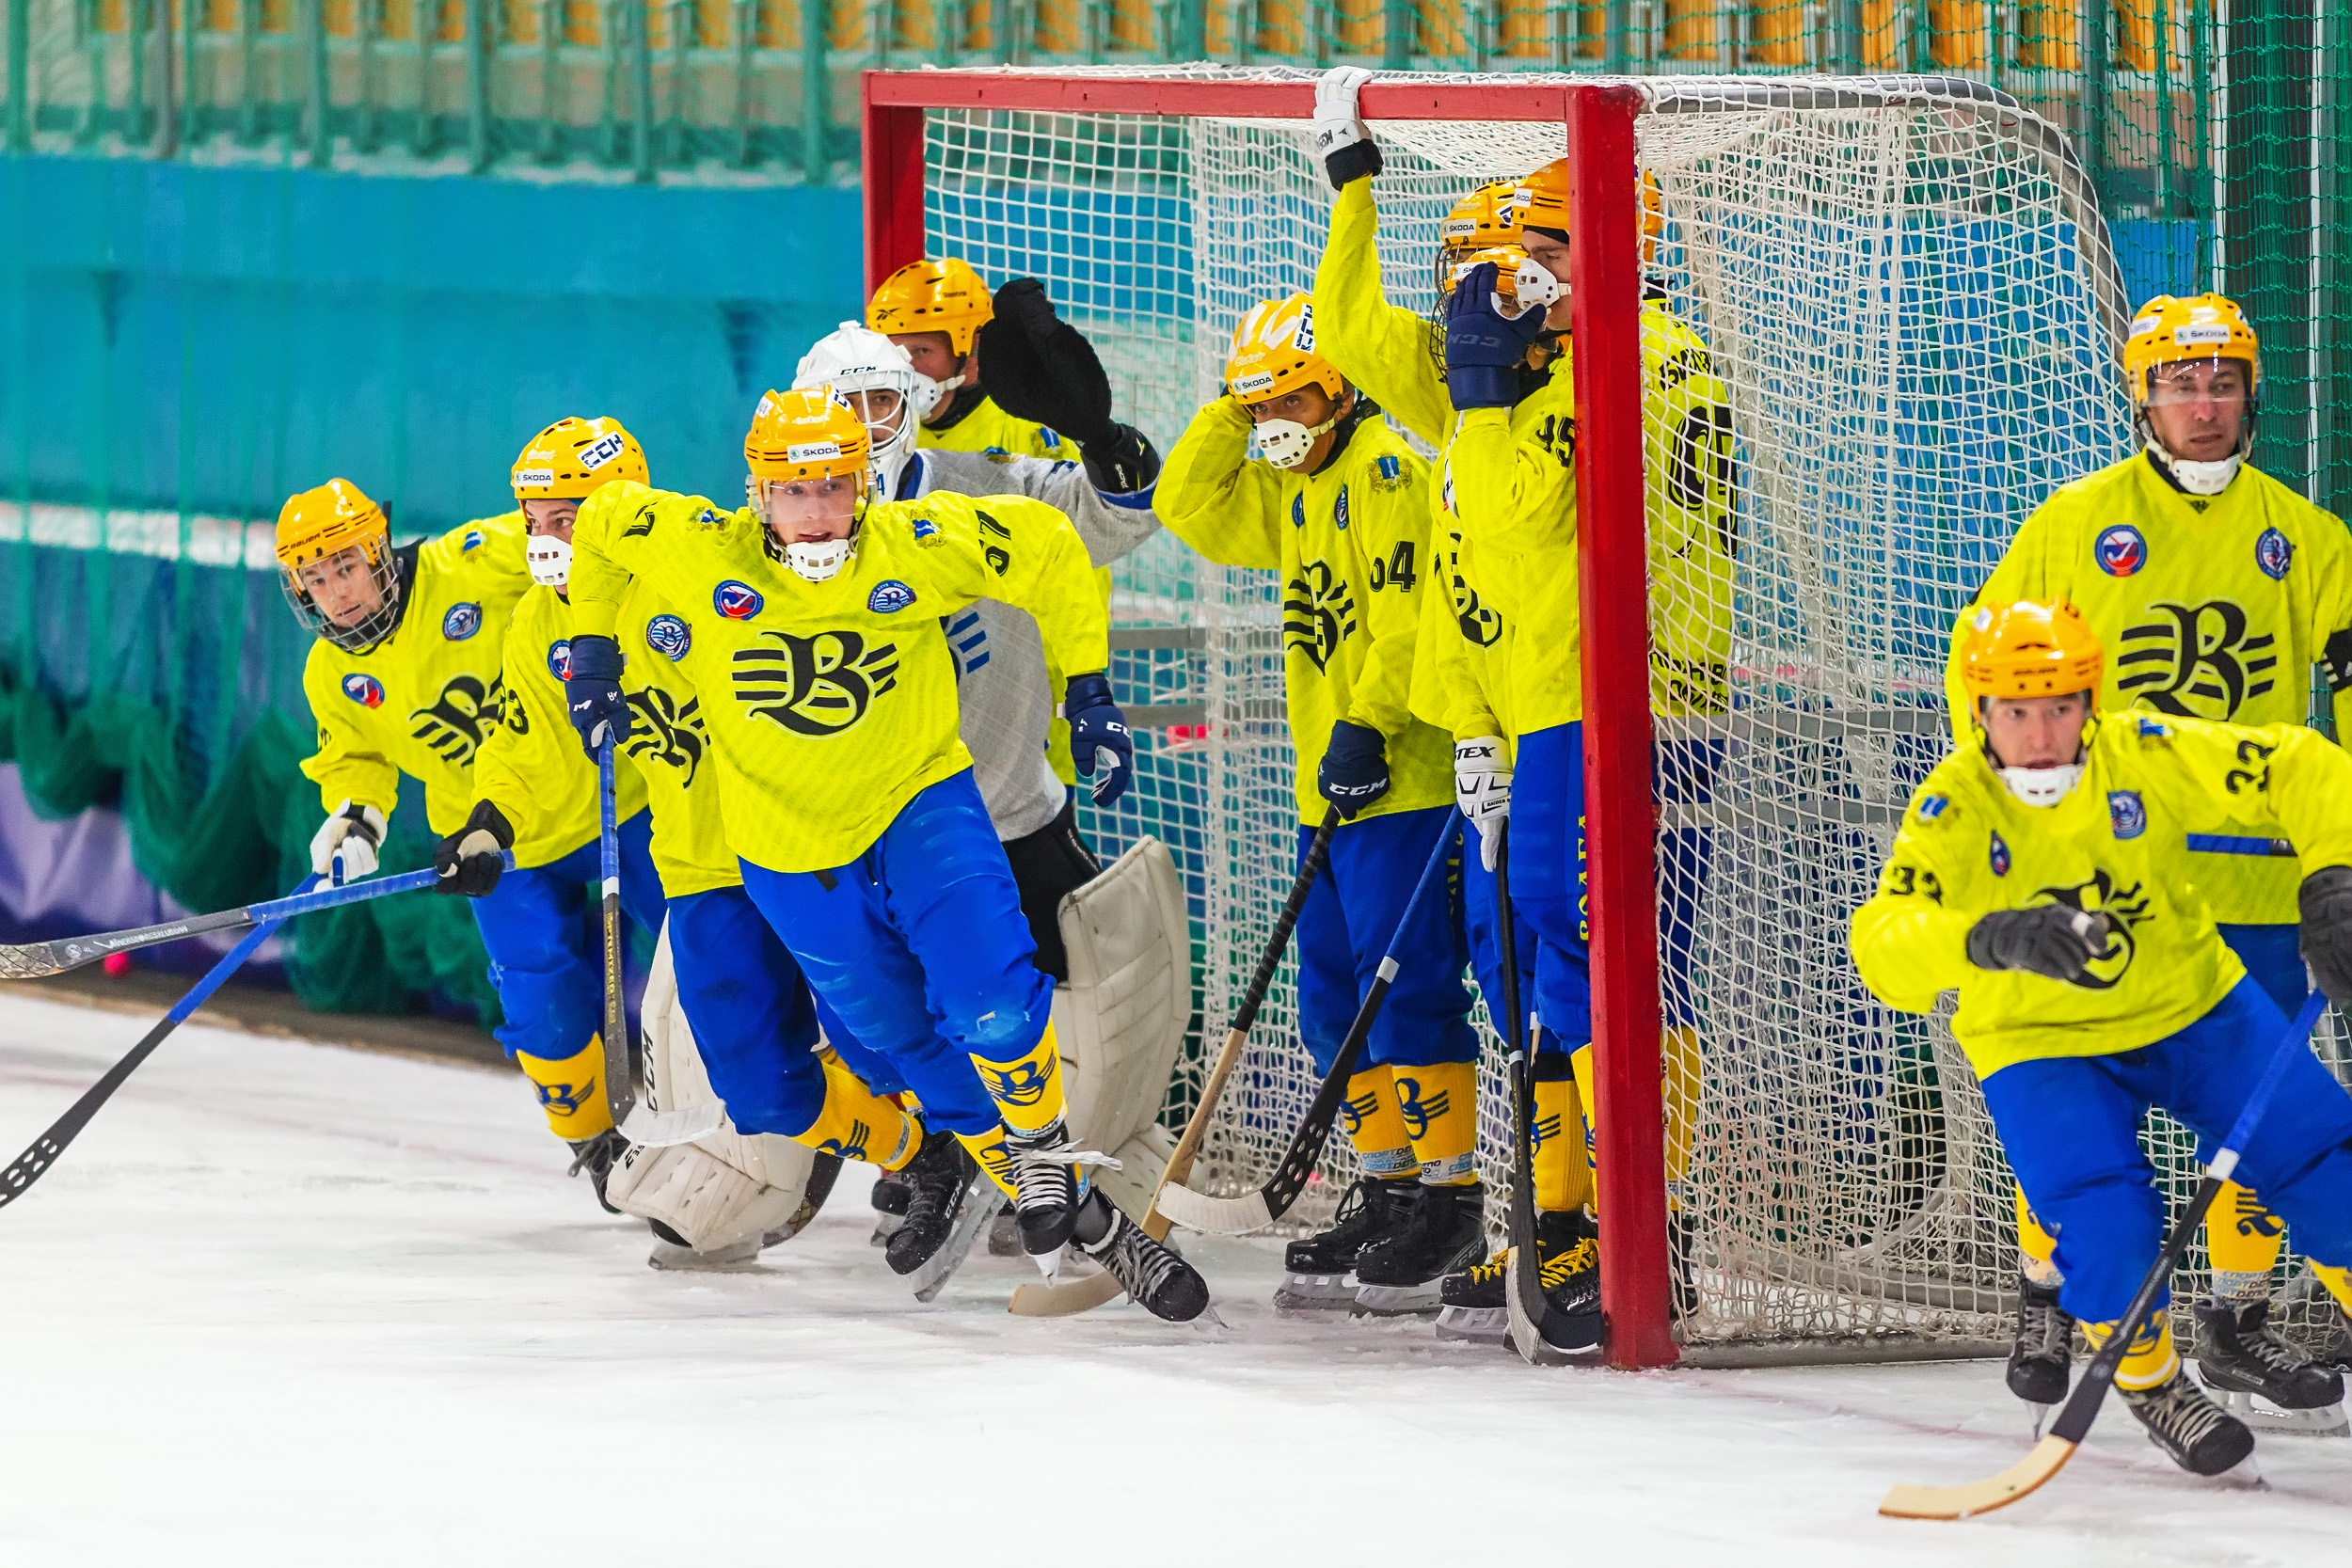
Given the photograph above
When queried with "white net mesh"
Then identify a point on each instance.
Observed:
(1905, 288)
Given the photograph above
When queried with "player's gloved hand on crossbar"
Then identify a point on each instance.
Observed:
(591, 693)
(2325, 906)
(1341, 139)
(471, 859)
(1037, 366)
(1355, 769)
(2055, 940)
(1098, 735)
(351, 836)
(1482, 346)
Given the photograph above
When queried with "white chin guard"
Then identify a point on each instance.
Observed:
(2198, 479)
(821, 562)
(2042, 786)
(1285, 443)
(550, 560)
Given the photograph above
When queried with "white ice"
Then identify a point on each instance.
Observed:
(291, 1304)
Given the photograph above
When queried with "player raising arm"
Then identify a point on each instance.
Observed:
(2043, 872)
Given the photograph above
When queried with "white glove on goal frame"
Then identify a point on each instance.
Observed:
(1481, 787)
(349, 836)
(1343, 140)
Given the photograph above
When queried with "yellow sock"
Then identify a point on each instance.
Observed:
(2150, 1362)
(1437, 1105)
(989, 1150)
(1369, 1115)
(2339, 1283)
(2244, 1240)
(855, 1123)
(1564, 1175)
(1581, 1064)
(2034, 1241)
(571, 1090)
(1678, 1053)
(1027, 1087)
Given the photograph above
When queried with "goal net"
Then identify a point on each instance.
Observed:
(1906, 288)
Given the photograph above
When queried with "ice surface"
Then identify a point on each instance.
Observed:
(290, 1303)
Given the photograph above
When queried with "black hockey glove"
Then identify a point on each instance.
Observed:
(470, 860)
(2325, 904)
(1037, 366)
(591, 692)
(1098, 734)
(1126, 466)
(2057, 940)
(1355, 769)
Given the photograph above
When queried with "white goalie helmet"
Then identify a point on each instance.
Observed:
(854, 360)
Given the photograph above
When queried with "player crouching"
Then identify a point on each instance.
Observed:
(2042, 874)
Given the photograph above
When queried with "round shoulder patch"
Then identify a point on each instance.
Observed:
(2121, 551)
(462, 622)
(2273, 554)
(737, 601)
(889, 597)
(364, 689)
(559, 659)
(669, 636)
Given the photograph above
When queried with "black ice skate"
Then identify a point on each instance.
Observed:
(1471, 1305)
(1320, 1271)
(890, 1196)
(596, 1156)
(1162, 1283)
(1571, 1283)
(1046, 1180)
(2201, 1437)
(2041, 1357)
(936, 1179)
(1404, 1270)
(2262, 1380)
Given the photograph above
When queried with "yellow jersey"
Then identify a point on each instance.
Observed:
(663, 663)
(531, 765)
(985, 427)
(2209, 607)
(831, 704)
(2118, 842)
(1352, 546)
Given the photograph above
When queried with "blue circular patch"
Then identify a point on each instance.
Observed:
(2127, 815)
(2121, 550)
(737, 601)
(559, 659)
(889, 597)
(364, 690)
(2273, 554)
(462, 622)
(669, 636)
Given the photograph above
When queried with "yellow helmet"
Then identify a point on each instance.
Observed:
(1541, 201)
(1486, 216)
(1521, 282)
(318, 525)
(2024, 649)
(947, 295)
(572, 457)
(1273, 352)
(811, 432)
(2170, 331)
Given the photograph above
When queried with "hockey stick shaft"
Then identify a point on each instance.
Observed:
(35, 961)
(2082, 1407)
(1524, 1275)
(620, 1055)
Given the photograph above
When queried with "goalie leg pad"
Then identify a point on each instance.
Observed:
(1122, 1016)
(709, 1201)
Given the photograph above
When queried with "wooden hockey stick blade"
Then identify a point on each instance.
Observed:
(1065, 1298)
(2048, 1458)
(1214, 1216)
(652, 1129)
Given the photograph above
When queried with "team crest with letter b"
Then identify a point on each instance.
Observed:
(462, 622)
(2126, 814)
(889, 597)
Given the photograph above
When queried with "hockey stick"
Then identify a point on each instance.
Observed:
(2082, 1407)
(1232, 1216)
(620, 1052)
(1040, 1300)
(28, 1167)
(36, 961)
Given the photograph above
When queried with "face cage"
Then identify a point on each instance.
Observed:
(371, 629)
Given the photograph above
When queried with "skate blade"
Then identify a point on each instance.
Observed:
(1315, 1293)
(2041, 1415)
(2263, 1416)
(980, 1203)
(1398, 1301)
(883, 1225)
(1478, 1325)
(670, 1258)
(1003, 1237)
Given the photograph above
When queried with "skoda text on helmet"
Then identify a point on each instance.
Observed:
(946, 296)
(797, 438)
(1487, 216)
(1274, 354)
(317, 527)
(854, 360)
(2208, 329)
(2024, 649)
(567, 461)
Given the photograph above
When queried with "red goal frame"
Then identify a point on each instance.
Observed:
(1611, 546)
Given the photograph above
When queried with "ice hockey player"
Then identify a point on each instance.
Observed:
(2221, 588)
(824, 674)
(2043, 871)
(1339, 505)
(935, 311)
(532, 792)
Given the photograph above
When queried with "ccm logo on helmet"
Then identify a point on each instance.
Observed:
(602, 450)
(737, 601)
(364, 690)
(2121, 551)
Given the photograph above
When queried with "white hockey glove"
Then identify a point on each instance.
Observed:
(1481, 787)
(1343, 140)
(344, 848)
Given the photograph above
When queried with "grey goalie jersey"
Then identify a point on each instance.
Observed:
(1008, 699)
